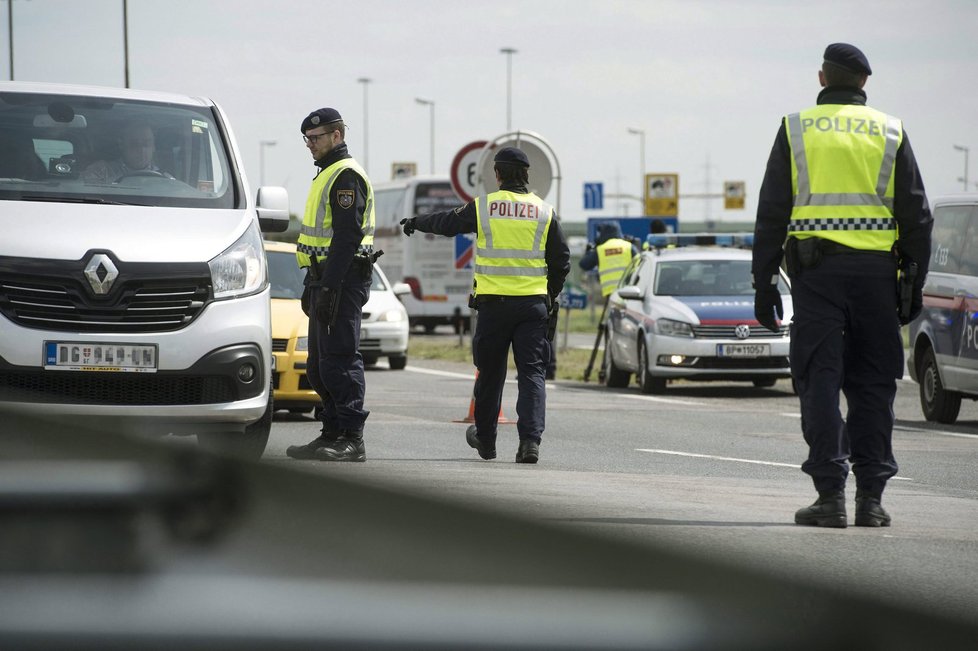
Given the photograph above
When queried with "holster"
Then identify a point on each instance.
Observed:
(802, 254)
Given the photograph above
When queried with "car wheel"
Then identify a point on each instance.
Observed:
(397, 362)
(765, 383)
(369, 360)
(615, 378)
(936, 403)
(648, 382)
(249, 445)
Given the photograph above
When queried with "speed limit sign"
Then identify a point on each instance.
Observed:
(464, 170)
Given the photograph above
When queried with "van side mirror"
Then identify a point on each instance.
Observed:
(273, 209)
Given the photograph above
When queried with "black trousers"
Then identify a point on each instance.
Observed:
(520, 321)
(845, 336)
(335, 366)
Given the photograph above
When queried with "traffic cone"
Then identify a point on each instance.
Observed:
(501, 419)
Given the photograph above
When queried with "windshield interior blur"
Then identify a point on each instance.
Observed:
(706, 278)
(90, 149)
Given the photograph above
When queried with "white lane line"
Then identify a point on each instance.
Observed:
(717, 458)
(973, 437)
(666, 400)
(431, 371)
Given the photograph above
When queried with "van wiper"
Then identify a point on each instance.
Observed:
(95, 200)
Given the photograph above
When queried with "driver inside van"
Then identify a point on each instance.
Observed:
(138, 145)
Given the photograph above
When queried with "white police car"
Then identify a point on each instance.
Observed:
(688, 313)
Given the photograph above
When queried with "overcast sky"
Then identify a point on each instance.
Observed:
(708, 81)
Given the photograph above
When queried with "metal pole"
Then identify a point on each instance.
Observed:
(10, 32)
(964, 179)
(125, 37)
(641, 134)
(261, 159)
(431, 107)
(509, 52)
(365, 81)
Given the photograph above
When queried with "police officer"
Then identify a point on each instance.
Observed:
(611, 255)
(335, 247)
(521, 261)
(843, 185)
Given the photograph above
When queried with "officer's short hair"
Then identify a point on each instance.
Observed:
(512, 173)
(838, 76)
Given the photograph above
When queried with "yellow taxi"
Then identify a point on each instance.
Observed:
(384, 328)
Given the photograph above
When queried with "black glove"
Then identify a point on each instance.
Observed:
(306, 300)
(327, 306)
(408, 225)
(916, 306)
(767, 304)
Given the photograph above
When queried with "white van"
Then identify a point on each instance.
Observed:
(438, 269)
(133, 282)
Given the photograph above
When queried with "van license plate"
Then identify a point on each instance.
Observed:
(88, 356)
(743, 350)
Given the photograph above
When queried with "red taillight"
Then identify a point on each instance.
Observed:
(415, 286)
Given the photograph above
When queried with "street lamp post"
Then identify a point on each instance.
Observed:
(641, 163)
(261, 159)
(431, 109)
(365, 81)
(964, 179)
(509, 52)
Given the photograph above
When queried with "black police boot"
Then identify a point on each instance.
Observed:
(829, 510)
(348, 447)
(485, 450)
(528, 452)
(307, 451)
(869, 511)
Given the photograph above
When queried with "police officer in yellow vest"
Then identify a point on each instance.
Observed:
(843, 187)
(521, 262)
(336, 248)
(611, 255)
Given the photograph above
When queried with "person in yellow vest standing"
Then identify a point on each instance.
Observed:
(611, 255)
(521, 261)
(842, 185)
(335, 247)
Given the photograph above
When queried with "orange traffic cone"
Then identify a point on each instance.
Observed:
(501, 419)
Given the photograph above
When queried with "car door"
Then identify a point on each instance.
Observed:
(621, 322)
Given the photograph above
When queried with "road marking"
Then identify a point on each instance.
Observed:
(667, 400)
(716, 458)
(973, 437)
(431, 371)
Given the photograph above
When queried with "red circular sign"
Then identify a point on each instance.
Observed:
(464, 172)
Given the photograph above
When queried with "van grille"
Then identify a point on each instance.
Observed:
(67, 387)
(55, 295)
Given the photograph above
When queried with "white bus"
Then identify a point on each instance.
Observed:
(438, 269)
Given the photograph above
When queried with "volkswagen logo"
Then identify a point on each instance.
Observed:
(742, 331)
(101, 273)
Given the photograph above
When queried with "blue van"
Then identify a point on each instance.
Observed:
(944, 338)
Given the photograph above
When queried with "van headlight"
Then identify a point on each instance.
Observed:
(240, 270)
(391, 315)
(671, 328)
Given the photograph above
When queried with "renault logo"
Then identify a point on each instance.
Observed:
(742, 331)
(101, 273)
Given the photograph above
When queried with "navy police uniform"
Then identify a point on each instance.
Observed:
(843, 251)
(341, 271)
(506, 319)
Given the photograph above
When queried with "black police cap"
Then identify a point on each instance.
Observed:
(320, 118)
(849, 57)
(511, 156)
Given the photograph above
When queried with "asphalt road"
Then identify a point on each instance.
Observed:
(710, 468)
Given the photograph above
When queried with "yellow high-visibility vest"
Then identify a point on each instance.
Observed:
(316, 233)
(842, 162)
(613, 258)
(511, 240)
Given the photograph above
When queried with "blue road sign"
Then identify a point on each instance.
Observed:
(573, 300)
(593, 196)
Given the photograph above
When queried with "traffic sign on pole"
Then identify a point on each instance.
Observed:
(662, 195)
(465, 172)
(593, 196)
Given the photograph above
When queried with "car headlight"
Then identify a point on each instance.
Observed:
(671, 328)
(302, 343)
(391, 315)
(240, 270)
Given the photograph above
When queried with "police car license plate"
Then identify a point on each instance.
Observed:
(743, 350)
(88, 356)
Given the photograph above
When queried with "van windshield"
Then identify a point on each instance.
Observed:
(98, 150)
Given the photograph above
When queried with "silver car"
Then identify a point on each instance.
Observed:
(688, 313)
